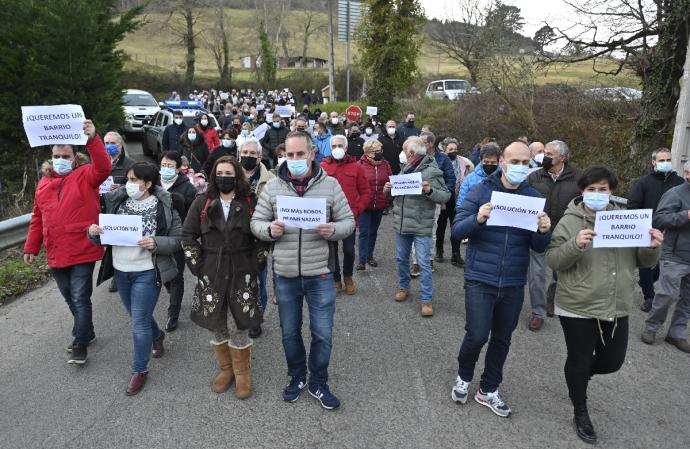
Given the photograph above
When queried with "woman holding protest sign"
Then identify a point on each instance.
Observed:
(222, 252)
(595, 290)
(141, 270)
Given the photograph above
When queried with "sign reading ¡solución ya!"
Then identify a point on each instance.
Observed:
(54, 125)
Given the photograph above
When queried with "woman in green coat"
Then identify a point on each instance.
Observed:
(594, 293)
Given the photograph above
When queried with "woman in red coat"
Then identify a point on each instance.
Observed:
(352, 180)
(206, 128)
(378, 172)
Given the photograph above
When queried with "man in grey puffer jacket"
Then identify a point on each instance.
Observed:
(302, 264)
(414, 218)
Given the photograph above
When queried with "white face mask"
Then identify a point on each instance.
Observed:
(402, 157)
(391, 131)
(192, 136)
(204, 123)
(539, 158)
(338, 153)
(133, 190)
(281, 160)
(334, 120)
(178, 121)
(368, 131)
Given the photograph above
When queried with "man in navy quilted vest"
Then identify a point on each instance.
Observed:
(496, 265)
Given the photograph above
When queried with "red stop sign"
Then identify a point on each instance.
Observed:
(353, 113)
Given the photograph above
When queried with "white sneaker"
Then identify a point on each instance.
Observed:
(459, 392)
(493, 401)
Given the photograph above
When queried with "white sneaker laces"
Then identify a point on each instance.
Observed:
(495, 399)
(461, 385)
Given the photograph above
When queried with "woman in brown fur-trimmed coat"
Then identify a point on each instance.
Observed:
(222, 252)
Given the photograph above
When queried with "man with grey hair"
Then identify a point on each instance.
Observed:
(673, 216)
(557, 182)
(414, 217)
(536, 149)
(645, 193)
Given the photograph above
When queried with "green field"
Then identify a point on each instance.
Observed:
(155, 48)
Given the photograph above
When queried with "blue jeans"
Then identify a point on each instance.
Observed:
(76, 285)
(369, 222)
(139, 295)
(263, 291)
(348, 257)
(488, 311)
(319, 292)
(422, 246)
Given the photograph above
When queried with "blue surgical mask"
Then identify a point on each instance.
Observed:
(276, 124)
(664, 167)
(62, 166)
(112, 149)
(245, 132)
(192, 136)
(517, 173)
(596, 201)
(298, 168)
(167, 173)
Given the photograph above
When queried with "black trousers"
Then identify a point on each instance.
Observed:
(176, 286)
(591, 352)
(446, 216)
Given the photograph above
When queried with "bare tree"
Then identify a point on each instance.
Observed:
(311, 25)
(216, 40)
(648, 37)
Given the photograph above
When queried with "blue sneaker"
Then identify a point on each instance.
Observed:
(494, 402)
(459, 393)
(294, 389)
(324, 395)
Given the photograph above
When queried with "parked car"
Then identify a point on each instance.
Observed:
(615, 93)
(153, 131)
(449, 89)
(139, 107)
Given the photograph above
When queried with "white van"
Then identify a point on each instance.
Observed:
(139, 107)
(449, 89)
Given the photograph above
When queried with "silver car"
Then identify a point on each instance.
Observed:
(449, 89)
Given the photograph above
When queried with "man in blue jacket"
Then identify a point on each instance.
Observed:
(489, 155)
(495, 276)
(172, 133)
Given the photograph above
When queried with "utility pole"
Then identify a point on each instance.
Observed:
(347, 84)
(331, 55)
(680, 150)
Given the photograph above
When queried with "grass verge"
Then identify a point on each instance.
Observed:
(17, 278)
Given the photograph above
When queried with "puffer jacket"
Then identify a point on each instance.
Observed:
(210, 137)
(302, 252)
(496, 255)
(186, 191)
(471, 180)
(271, 139)
(446, 167)
(378, 176)
(352, 180)
(558, 193)
(65, 206)
(593, 282)
(672, 216)
(414, 214)
(167, 237)
(647, 191)
(322, 142)
(120, 168)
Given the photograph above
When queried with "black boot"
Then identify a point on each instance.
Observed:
(456, 260)
(255, 332)
(112, 288)
(584, 427)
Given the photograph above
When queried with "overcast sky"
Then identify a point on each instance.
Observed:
(535, 12)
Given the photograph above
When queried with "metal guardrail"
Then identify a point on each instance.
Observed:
(619, 200)
(13, 231)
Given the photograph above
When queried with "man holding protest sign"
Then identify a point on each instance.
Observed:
(65, 204)
(595, 283)
(416, 193)
(301, 260)
(496, 270)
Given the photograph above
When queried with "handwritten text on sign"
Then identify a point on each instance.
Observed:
(51, 125)
(410, 184)
(305, 213)
(120, 230)
(515, 211)
(623, 228)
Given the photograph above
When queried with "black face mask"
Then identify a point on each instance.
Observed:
(547, 163)
(410, 123)
(489, 168)
(452, 156)
(225, 184)
(354, 135)
(378, 156)
(249, 163)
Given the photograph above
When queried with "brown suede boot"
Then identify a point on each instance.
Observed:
(224, 379)
(349, 285)
(338, 287)
(241, 366)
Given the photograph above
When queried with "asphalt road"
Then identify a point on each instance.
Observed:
(392, 370)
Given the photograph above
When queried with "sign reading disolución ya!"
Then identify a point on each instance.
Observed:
(623, 228)
(515, 211)
(305, 213)
(54, 125)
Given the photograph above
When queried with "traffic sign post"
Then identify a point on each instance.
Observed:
(353, 113)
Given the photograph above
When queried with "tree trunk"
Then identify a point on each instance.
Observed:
(305, 43)
(225, 70)
(331, 55)
(191, 47)
(283, 42)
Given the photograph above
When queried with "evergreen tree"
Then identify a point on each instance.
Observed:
(389, 40)
(268, 68)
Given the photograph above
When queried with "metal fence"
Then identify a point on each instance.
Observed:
(13, 231)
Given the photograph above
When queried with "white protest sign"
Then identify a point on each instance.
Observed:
(120, 230)
(372, 110)
(285, 111)
(260, 107)
(106, 186)
(51, 125)
(623, 228)
(410, 184)
(260, 130)
(224, 95)
(297, 212)
(515, 211)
